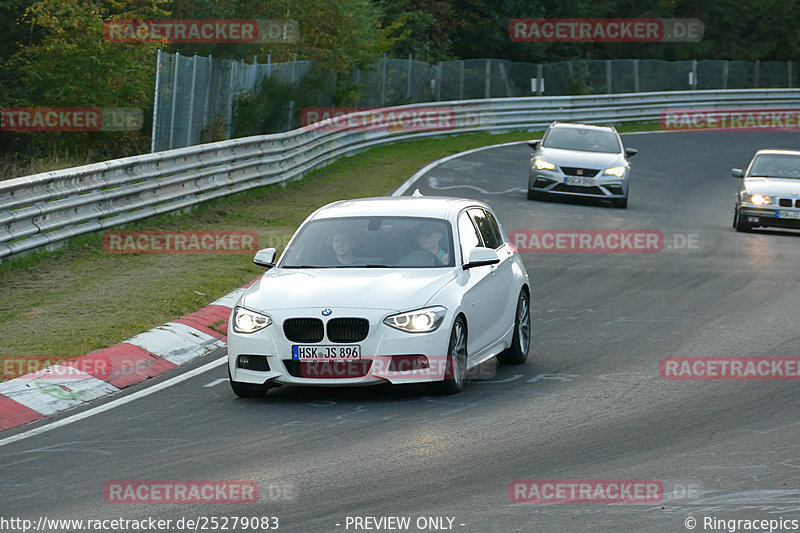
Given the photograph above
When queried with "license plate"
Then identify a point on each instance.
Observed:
(581, 182)
(788, 214)
(336, 352)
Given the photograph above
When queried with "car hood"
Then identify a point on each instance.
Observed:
(772, 186)
(580, 159)
(375, 288)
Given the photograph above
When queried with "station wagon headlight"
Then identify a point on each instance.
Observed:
(615, 171)
(758, 199)
(246, 321)
(541, 164)
(420, 321)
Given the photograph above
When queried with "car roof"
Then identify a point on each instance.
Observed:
(413, 206)
(779, 152)
(582, 126)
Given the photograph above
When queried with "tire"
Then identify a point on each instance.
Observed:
(455, 375)
(247, 390)
(521, 343)
(740, 223)
(620, 203)
(536, 195)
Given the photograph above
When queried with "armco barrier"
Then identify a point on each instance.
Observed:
(43, 210)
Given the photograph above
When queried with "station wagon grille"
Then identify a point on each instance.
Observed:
(303, 329)
(348, 329)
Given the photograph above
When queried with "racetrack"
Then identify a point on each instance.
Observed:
(591, 404)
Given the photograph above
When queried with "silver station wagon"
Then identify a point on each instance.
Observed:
(769, 191)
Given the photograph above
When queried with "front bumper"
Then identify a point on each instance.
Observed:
(771, 216)
(550, 182)
(378, 349)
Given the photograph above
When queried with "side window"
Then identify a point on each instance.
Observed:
(496, 226)
(490, 237)
(467, 235)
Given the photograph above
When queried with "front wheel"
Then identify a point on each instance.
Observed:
(455, 374)
(521, 343)
(740, 222)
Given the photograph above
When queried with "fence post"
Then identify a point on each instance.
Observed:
(291, 102)
(461, 80)
(609, 87)
(636, 75)
(191, 102)
(539, 79)
(207, 111)
(439, 81)
(694, 74)
(383, 81)
(488, 82)
(756, 74)
(174, 99)
(229, 114)
(155, 101)
(408, 87)
(789, 73)
(725, 67)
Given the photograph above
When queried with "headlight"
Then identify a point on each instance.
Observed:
(420, 321)
(758, 199)
(615, 171)
(541, 164)
(245, 321)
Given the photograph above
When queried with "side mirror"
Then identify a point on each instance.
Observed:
(630, 152)
(533, 144)
(737, 173)
(481, 257)
(265, 258)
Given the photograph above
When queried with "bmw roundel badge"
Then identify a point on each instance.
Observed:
(326, 312)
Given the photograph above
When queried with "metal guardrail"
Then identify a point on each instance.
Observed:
(44, 210)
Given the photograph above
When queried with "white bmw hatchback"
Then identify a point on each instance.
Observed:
(377, 290)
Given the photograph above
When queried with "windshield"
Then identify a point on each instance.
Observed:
(371, 242)
(588, 140)
(776, 166)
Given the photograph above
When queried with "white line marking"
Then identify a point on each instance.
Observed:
(215, 382)
(115, 403)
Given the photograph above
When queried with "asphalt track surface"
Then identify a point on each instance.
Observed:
(590, 404)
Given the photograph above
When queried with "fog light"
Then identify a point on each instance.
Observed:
(244, 361)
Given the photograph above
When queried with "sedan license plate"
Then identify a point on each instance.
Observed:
(337, 352)
(581, 182)
(788, 214)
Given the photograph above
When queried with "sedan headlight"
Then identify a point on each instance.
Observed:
(246, 321)
(420, 321)
(541, 164)
(615, 171)
(758, 199)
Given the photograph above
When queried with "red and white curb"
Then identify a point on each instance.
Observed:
(108, 370)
